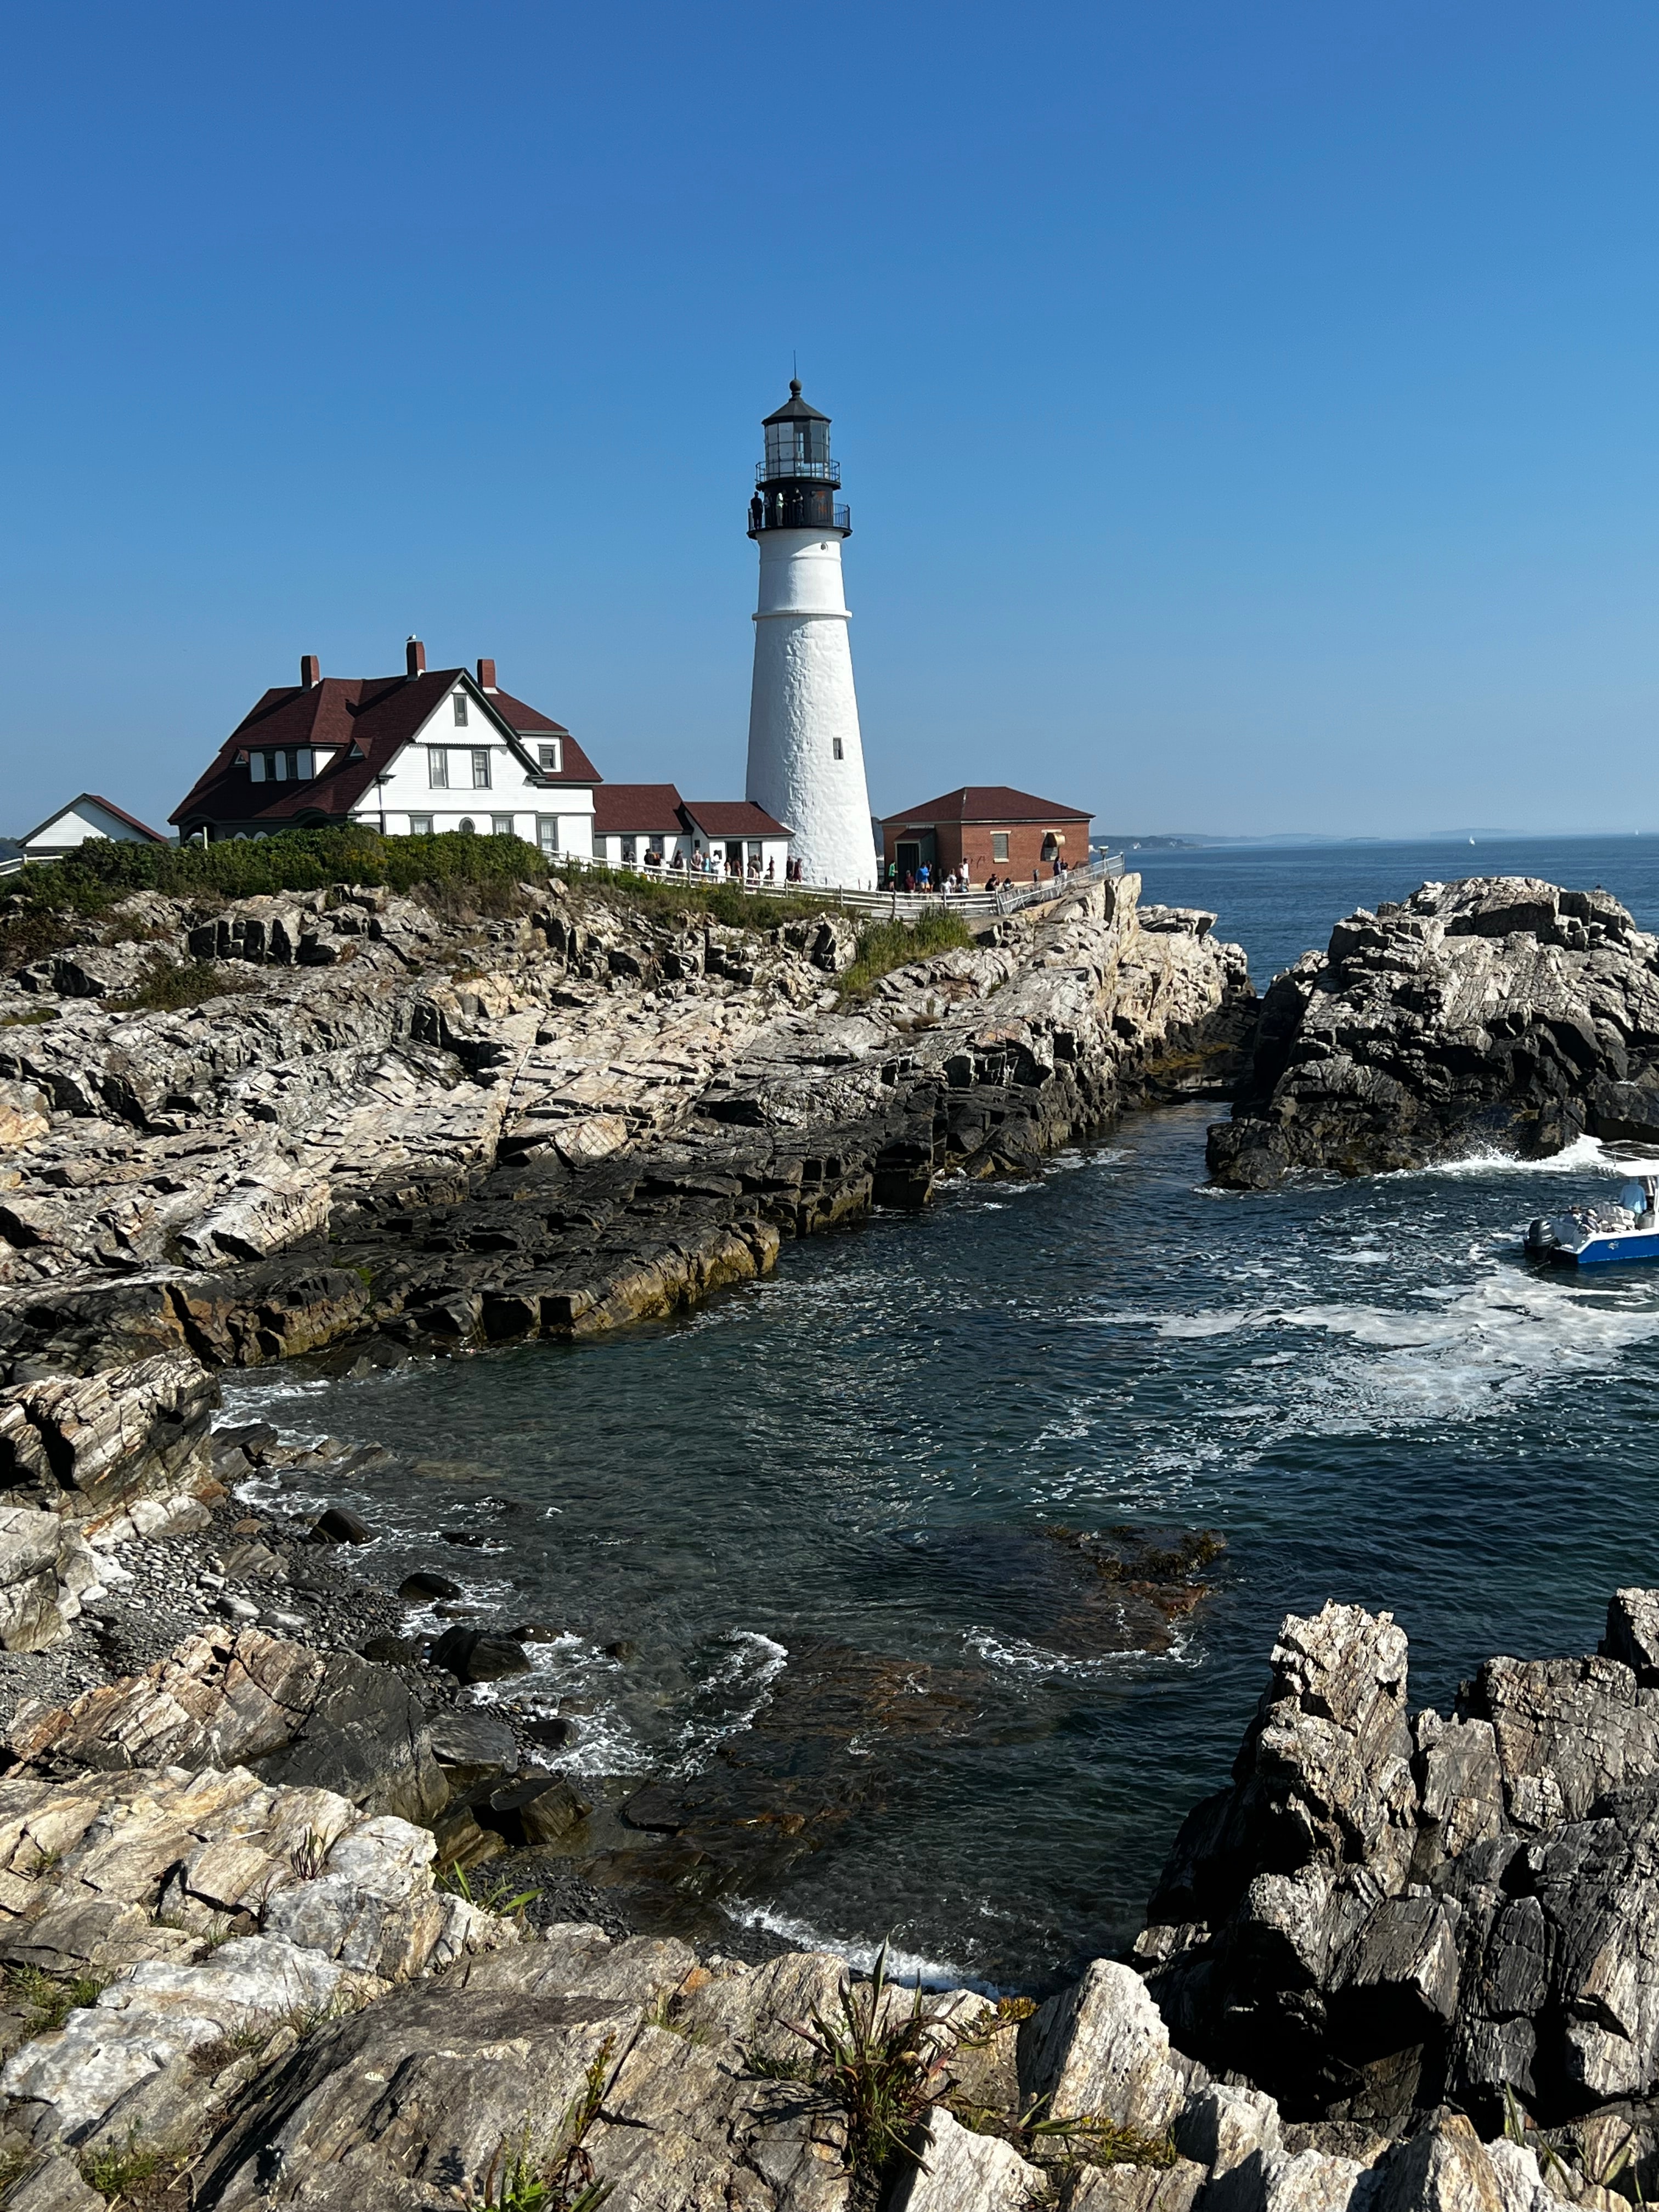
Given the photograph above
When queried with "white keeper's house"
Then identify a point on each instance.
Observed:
(427, 750)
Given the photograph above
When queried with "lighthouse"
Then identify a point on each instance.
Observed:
(805, 756)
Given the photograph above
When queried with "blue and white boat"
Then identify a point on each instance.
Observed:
(1596, 1236)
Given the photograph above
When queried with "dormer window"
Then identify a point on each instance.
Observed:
(460, 710)
(552, 756)
(292, 765)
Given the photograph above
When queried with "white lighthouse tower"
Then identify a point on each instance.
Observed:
(805, 756)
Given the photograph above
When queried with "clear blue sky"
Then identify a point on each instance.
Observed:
(1248, 410)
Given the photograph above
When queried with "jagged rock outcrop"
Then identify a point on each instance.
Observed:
(125, 1454)
(551, 1125)
(1499, 1012)
(297, 1716)
(1384, 1910)
(46, 1568)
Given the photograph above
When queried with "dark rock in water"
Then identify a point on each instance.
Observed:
(553, 1733)
(424, 1584)
(1076, 1593)
(538, 1809)
(1500, 1012)
(782, 1786)
(535, 1631)
(472, 1657)
(339, 1525)
(621, 1649)
(1384, 1912)
(253, 1437)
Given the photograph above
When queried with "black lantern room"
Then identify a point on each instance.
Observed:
(795, 485)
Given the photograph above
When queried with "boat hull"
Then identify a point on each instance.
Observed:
(1603, 1251)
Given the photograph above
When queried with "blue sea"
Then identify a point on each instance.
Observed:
(1361, 1387)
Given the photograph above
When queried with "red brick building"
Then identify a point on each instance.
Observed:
(995, 829)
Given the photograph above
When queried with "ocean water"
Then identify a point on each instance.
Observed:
(1362, 1387)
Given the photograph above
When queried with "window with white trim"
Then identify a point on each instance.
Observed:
(481, 769)
(420, 825)
(466, 825)
(500, 825)
(437, 767)
(460, 710)
(552, 756)
(547, 832)
(836, 743)
(292, 765)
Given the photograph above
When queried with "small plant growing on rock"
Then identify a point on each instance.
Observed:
(50, 1997)
(562, 2179)
(310, 1855)
(124, 2169)
(880, 2063)
(497, 1897)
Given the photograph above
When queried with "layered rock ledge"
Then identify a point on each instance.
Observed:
(1499, 1013)
(389, 1124)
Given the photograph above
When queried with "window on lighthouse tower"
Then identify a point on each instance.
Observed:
(835, 741)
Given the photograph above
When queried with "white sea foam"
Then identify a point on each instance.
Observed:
(753, 1664)
(1018, 1655)
(902, 1966)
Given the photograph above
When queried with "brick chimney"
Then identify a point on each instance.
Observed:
(486, 676)
(311, 671)
(415, 654)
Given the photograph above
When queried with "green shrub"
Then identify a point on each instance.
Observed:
(461, 876)
(885, 945)
(166, 987)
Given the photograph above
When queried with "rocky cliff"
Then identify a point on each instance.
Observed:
(1386, 1911)
(226, 1986)
(381, 1120)
(1499, 1012)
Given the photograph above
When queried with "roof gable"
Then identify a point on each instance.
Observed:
(119, 814)
(987, 802)
(366, 721)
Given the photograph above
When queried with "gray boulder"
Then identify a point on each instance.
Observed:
(1500, 1012)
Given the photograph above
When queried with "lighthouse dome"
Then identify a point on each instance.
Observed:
(797, 443)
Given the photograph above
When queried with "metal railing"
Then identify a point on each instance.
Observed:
(804, 511)
(895, 905)
(786, 468)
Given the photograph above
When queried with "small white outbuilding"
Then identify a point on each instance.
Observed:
(85, 820)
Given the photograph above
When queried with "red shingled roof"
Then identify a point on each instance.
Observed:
(377, 716)
(628, 810)
(731, 818)
(989, 802)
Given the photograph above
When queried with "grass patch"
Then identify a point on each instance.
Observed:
(561, 2178)
(127, 2169)
(885, 945)
(497, 1897)
(689, 900)
(166, 987)
(50, 1997)
(29, 1021)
